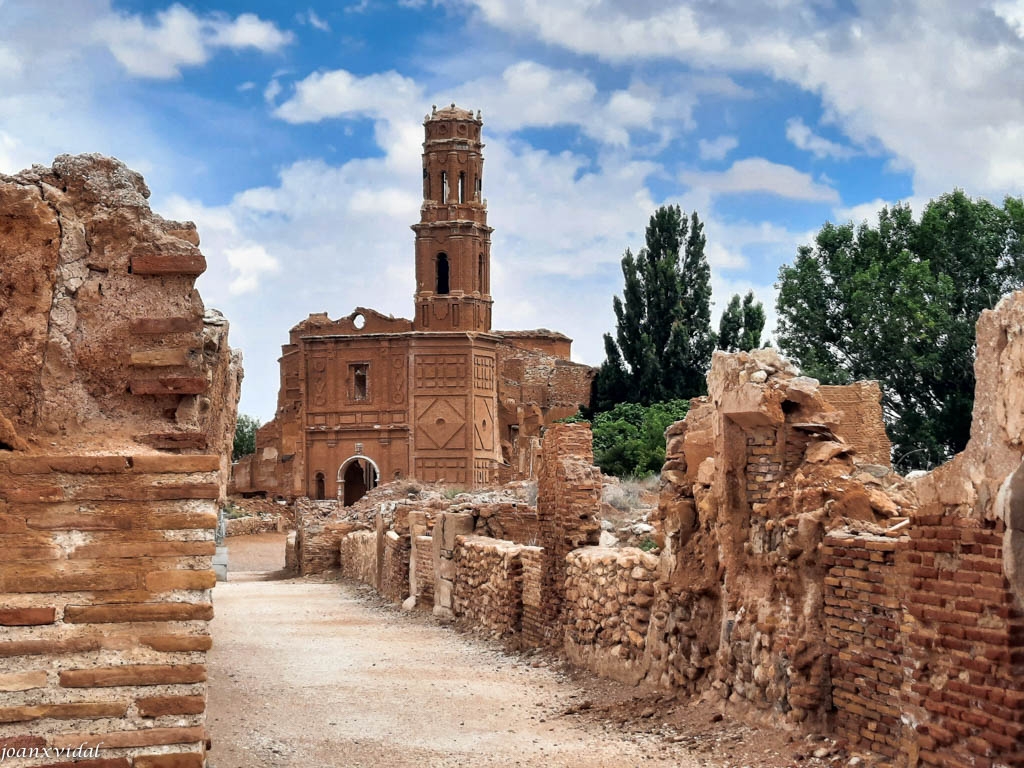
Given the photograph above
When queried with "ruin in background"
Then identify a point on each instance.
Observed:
(117, 410)
(443, 398)
(798, 581)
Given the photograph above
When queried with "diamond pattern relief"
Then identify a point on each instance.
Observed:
(440, 424)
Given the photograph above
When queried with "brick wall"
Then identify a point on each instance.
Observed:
(536, 632)
(568, 504)
(425, 570)
(863, 616)
(511, 521)
(104, 601)
(395, 567)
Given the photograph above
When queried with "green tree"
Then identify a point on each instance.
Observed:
(741, 324)
(245, 436)
(663, 339)
(629, 439)
(898, 303)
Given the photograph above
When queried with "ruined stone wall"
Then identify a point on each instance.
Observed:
(488, 588)
(864, 616)
(858, 409)
(254, 524)
(117, 407)
(512, 521)
(358, 552)
(423, 557)
(609, 594)
(568, 502)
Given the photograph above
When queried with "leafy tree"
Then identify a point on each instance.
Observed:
(663, 338)
(629, 439)
(741, 324)
(898, 303)
(245, 436)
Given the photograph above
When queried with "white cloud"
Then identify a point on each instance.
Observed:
(339, 93)
(310, 17)
(272, 91)
(756, 174)
(248, 85)
(251, 262)
(179, 38)
(802, 137)
(718, 148)
(10, 63)
(934, 82)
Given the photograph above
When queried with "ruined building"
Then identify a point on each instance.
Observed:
(117, 412)
(442, 397)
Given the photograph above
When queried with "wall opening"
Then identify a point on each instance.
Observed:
(479, 188)
(426, 184)
(356, 476)
(444, 186)
(462, 186)
(321, 487)
(359, 374)
(480, 278)
(442, 274)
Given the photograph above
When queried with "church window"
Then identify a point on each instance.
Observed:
(442, 273)
(359, 374)
(444, 186)
(480, 274)
(462, 187)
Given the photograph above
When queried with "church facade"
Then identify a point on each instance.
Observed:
(370, 398)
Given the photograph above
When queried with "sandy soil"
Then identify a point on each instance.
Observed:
(318, 673)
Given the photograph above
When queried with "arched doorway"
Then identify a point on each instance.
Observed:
(356, 476)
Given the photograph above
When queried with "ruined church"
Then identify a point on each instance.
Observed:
(443, 397)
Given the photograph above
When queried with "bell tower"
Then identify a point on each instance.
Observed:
(453, 241)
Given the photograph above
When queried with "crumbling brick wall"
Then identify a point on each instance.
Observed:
(568, 502)
(395, 567)
(117, 406)
(488, 589)
(609, 594)
(863, 616)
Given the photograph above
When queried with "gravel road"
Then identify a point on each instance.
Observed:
(316, 673)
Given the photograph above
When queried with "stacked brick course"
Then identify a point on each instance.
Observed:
(117, 406)
(863, 616)
(568, 502)
(395, 567)
(359, 557)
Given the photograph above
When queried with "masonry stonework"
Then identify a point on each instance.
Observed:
(117, 406)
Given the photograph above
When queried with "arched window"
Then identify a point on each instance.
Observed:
(426, 184)
(462, 187)
(479, 187)
(321, 487)
(480, 275)
(442, 273)
(444, 186)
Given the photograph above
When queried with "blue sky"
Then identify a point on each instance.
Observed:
(291, 134)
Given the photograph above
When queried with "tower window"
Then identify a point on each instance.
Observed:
(359, 373)
(462, 187)
(426, 184)
(480, 274)
(442, 273)
(444, 186)
(479, 188)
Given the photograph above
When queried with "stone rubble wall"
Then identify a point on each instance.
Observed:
(488, 587)
(394, 583)
(423, 555)
(117, 406)
(254, 524)
(609, 594)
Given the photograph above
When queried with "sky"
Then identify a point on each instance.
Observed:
(291, 134)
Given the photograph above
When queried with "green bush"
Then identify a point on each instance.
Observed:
(629, 440)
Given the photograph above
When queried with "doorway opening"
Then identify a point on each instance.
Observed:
(356, 477)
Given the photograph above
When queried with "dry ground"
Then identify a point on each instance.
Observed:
(317, 673)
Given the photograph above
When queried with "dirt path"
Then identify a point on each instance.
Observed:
(317, 674)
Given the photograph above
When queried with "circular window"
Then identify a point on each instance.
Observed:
(359, 322)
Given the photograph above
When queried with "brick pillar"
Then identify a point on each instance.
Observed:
(568, 504)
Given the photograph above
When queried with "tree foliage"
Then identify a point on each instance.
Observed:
(245, 436)
(629, 439)
(898, 303)
(663, 339)
(741, 324)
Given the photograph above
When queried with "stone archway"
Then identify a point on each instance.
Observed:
(1010, 506)
(356, 476)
